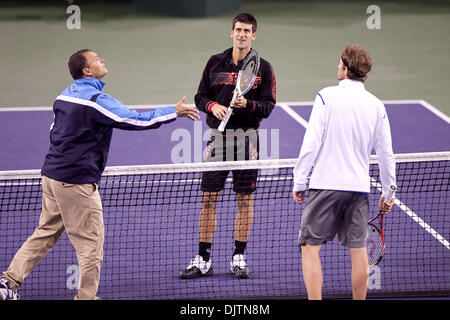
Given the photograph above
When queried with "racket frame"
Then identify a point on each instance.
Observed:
(381, 214)
(380, 231)
(237, 91)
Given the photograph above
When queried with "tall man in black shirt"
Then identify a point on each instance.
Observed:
(238, 142)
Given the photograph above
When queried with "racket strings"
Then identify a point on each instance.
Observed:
(246, 81)
(249, 71)
(375, 247)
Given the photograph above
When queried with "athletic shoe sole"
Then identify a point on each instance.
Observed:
(195, 273)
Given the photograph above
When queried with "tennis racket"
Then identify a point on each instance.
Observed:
(375, 241)
(246, 79)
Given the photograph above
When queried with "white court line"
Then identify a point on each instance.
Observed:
(293, 114)
(437, 112)
(424, 103)
(415, 217)
(286, 106)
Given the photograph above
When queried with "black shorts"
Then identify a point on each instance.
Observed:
(234, 147)
(330, 212)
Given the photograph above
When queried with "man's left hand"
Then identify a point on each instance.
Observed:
(298, 196)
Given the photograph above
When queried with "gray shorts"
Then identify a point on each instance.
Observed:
(330, 212)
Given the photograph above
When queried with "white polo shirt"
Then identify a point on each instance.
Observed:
(346, 124)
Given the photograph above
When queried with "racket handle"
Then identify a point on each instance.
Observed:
(225, 120)
(229, 112)
(390, 194)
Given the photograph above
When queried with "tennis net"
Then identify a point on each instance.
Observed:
(151, 216)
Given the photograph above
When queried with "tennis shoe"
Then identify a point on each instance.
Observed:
(197, 268)
(6, 293)
(238, 267)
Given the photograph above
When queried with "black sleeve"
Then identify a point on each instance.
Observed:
(203, 96)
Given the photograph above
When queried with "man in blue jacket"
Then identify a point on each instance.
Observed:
(80, 137)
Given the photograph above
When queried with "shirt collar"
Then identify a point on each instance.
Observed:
(227, 55)
(97, 84)
(351, 83)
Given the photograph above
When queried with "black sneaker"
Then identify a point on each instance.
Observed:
(197, 268)
(238, 267)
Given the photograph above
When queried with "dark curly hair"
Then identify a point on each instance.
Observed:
(358, 62)
(245, 18)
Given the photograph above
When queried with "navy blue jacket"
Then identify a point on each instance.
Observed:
(81, 133)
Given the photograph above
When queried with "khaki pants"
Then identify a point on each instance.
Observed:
(77, 209)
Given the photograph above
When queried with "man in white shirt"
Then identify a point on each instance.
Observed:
(346, 124)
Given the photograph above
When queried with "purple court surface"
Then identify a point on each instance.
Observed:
(416, 127)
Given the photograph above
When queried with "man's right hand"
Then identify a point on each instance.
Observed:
(185, 111)
(219, 111)
(385, 207)
(298, 196)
